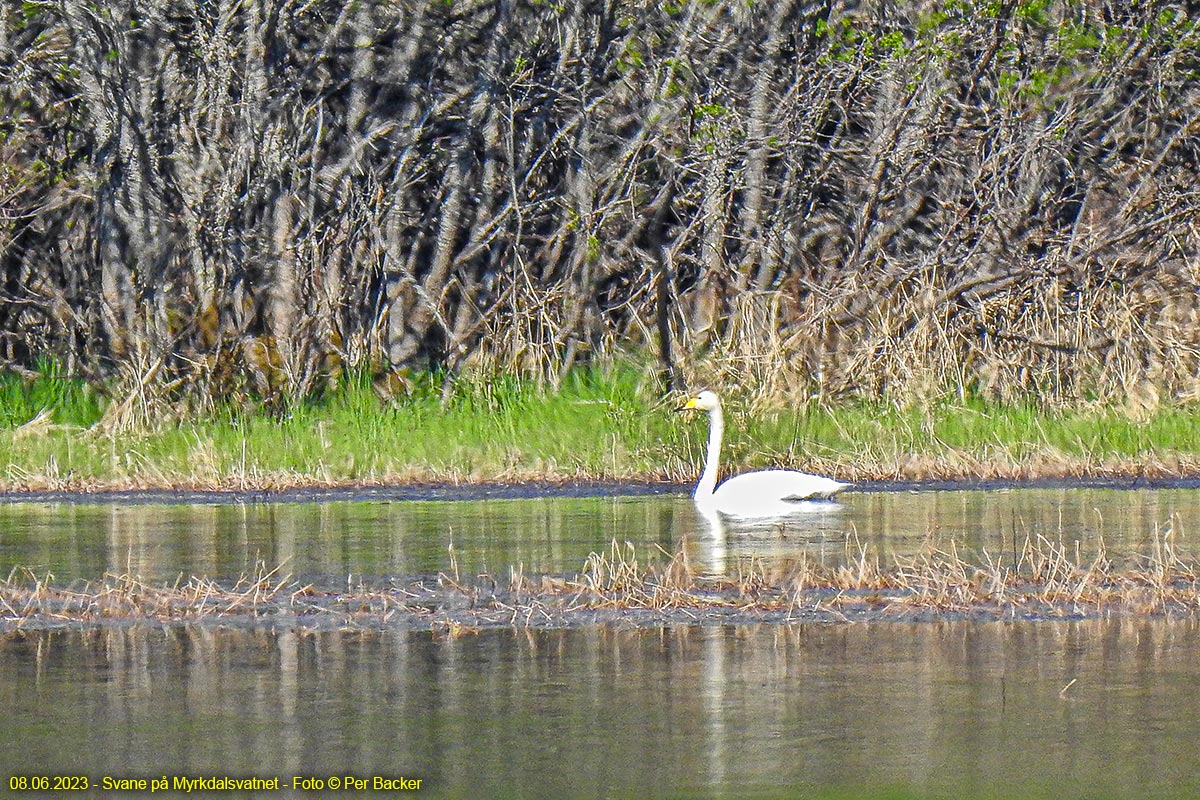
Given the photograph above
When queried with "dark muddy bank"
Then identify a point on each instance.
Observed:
(531, 489)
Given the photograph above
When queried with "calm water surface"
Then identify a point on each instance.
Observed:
(935, 710)
(1094, 708)
(331, 541)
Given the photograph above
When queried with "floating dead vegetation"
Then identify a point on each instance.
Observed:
(1040, 580)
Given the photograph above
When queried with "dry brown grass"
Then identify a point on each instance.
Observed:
(26, 597)
(1041, 579)
(1132, 345)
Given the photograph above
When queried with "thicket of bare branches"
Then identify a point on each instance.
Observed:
(215, 197)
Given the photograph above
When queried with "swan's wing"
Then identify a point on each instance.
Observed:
(772, 491)
(781, 484)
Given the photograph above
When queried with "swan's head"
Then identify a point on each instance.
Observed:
(705, 401)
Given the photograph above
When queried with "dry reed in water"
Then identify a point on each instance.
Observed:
(1041, 579)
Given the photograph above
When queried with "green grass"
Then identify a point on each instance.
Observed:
(489, 429)
(602, 423)
(68, 399)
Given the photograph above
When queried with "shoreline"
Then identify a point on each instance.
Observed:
(476, 490)
(601, 433)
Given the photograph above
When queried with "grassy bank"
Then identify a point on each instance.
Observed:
(600, 424)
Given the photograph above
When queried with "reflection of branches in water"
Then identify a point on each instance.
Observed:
(1042, 579)
(804, 701)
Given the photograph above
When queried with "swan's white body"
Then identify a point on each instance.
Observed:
(767, 493)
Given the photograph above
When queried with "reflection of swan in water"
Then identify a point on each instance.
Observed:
(717, 541)
(769, 493)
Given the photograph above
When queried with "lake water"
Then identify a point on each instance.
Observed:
(328, 542)
(1090, 708)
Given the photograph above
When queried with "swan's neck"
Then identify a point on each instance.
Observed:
(708, 478)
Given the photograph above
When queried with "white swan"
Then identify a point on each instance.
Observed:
(766, 493)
